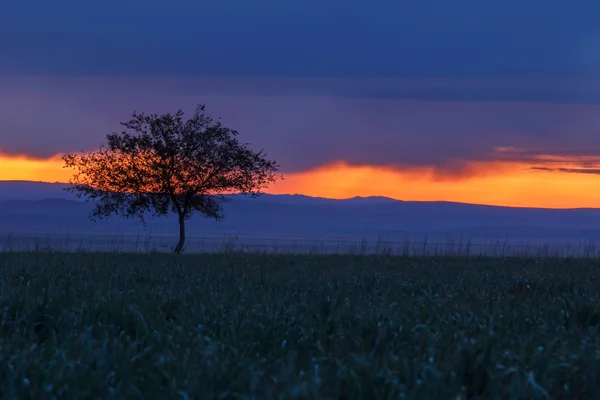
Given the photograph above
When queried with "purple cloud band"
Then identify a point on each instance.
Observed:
(304, 123)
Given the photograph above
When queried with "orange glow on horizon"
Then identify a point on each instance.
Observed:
(493, 183)
(19, 167)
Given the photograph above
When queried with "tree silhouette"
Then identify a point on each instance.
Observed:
(162, 164)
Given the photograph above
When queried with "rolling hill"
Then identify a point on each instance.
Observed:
(30, 209)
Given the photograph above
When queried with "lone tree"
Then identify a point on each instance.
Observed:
(162, 164)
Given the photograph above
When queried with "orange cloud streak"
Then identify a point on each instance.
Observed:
(504, 184)
(26, 168)
(495, 183)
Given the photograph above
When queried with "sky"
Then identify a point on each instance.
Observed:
(479, 102)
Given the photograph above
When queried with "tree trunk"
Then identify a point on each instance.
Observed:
(179, 247)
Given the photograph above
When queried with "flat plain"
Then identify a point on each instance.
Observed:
(280, 326)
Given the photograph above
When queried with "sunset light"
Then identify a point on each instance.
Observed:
(25, 168)
(498, 184)
(493, 183)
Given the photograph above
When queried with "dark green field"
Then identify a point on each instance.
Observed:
(242, 326)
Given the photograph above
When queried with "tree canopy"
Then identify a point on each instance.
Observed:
(162, 164)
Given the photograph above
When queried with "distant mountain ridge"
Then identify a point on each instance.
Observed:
(34, 208)
(30, 190)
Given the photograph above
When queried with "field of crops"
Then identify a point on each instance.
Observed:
(260, 326)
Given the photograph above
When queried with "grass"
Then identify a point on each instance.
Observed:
(406, 247)
(281, 326)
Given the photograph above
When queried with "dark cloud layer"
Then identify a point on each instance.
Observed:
(593, 171)
(469, 76)
(438, 38)
(42, 117)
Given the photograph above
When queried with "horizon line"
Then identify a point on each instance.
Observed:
(343, 199)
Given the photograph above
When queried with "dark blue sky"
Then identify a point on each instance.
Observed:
(473, 76)
(426, 38)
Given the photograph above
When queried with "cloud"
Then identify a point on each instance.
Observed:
(306, 123)
(564, 160)
(506, 185)
(300, 38)
(594, 171)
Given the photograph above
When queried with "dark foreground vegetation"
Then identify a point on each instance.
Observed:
(235, 326)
